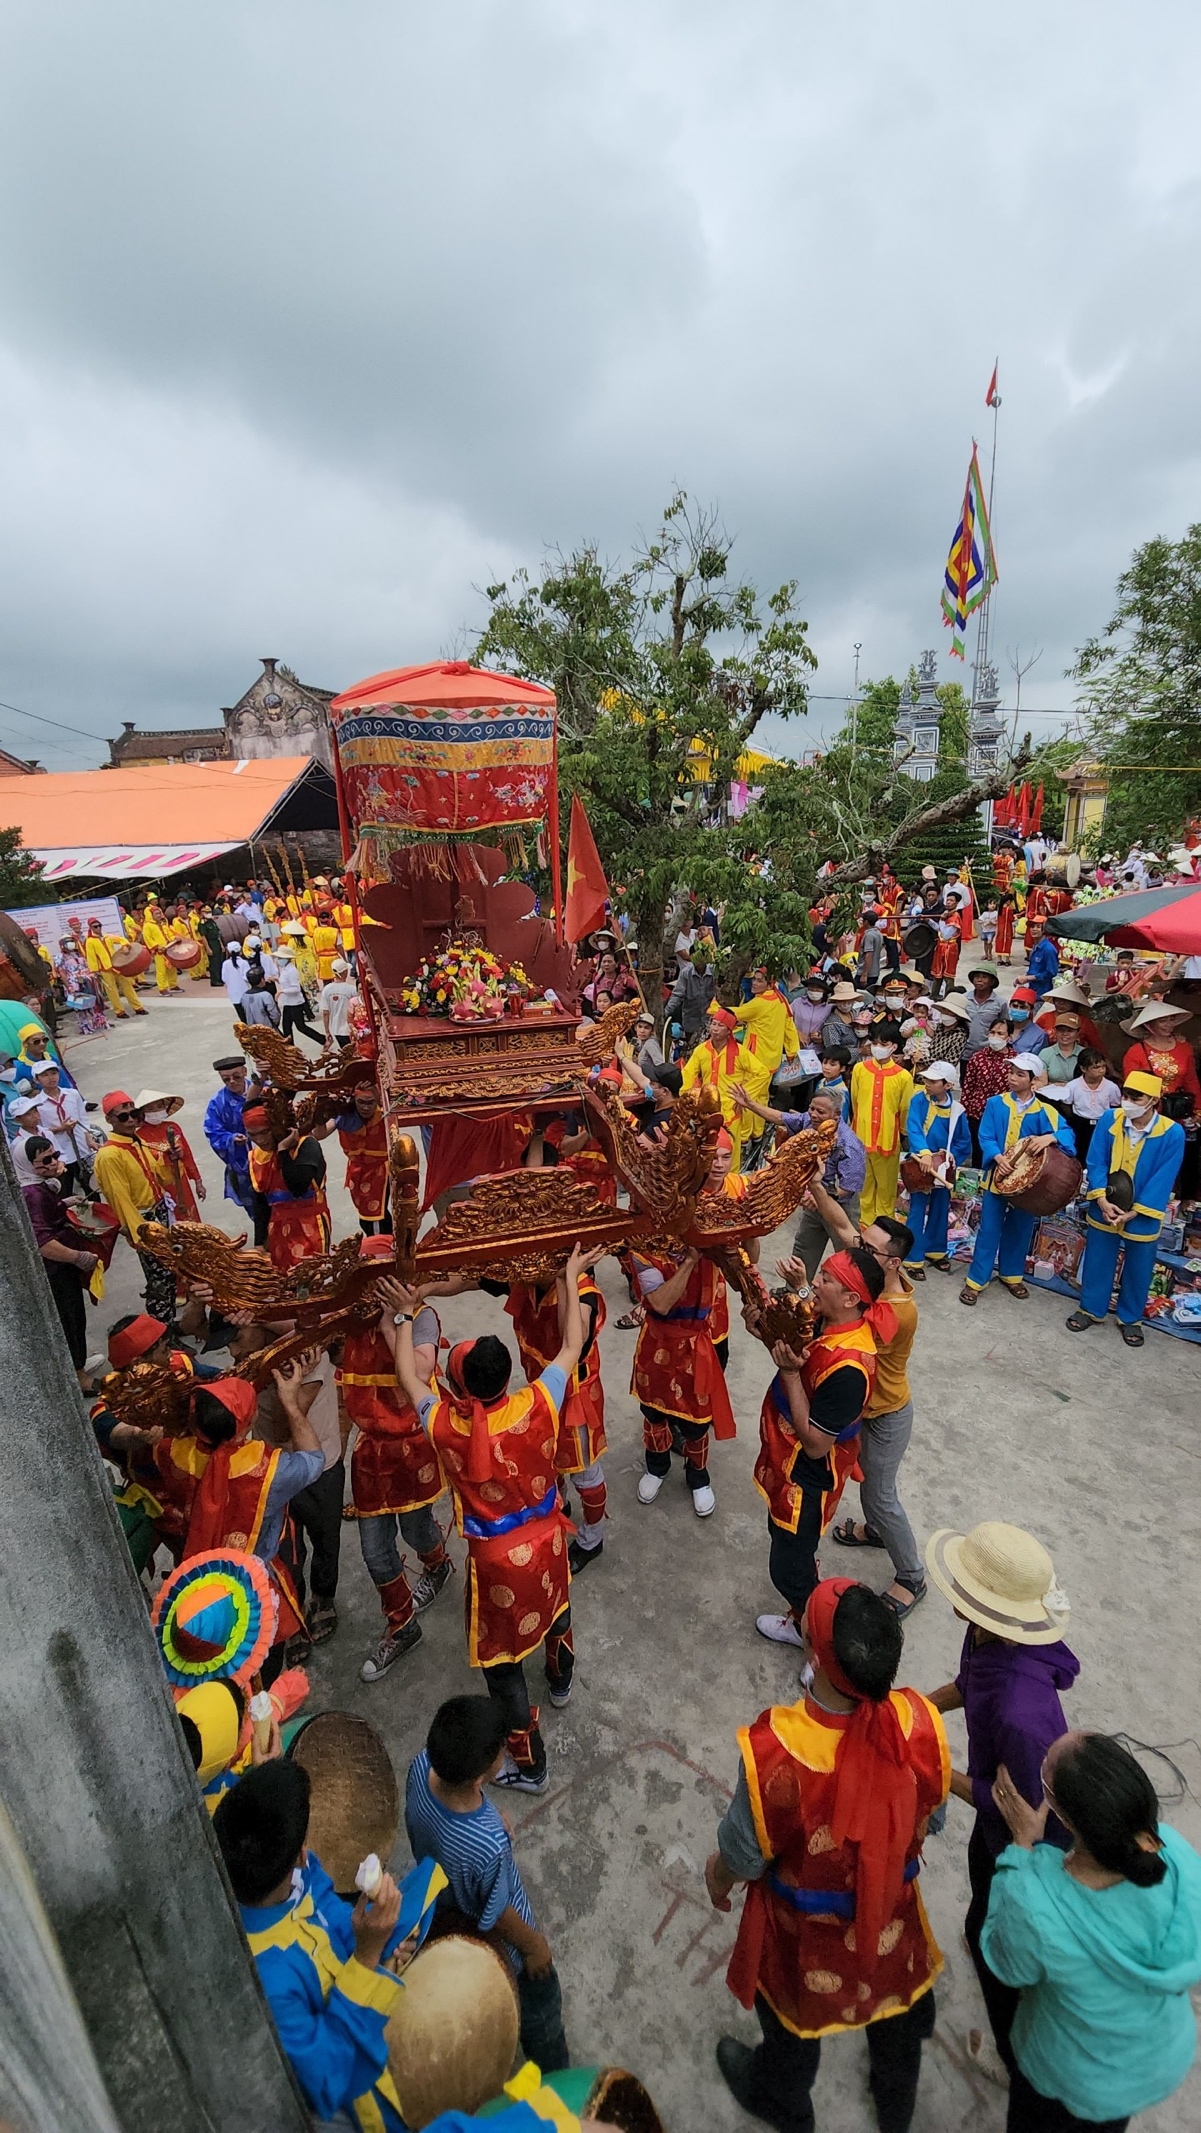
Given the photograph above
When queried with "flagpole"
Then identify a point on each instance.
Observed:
(986, 603)
(556, 888)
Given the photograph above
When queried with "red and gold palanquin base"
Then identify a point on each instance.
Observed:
(433, 1068)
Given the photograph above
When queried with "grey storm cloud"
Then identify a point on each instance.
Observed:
(317, 315)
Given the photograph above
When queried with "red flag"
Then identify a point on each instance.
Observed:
(992, 397)
(1036, 818)
(1024, 811)
(587, 889)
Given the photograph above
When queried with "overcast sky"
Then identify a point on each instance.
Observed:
(317, 315)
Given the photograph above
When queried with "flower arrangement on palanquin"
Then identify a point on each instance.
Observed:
(466, 983)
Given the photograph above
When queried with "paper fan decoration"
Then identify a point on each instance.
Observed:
(215, 1618)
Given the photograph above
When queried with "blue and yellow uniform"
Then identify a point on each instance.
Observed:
(1151, 1161)
(330, 2010)
(927, 1126)
(1003, 1238)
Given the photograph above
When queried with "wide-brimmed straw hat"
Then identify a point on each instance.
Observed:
(954, 1003)
(1002, 1579)
(1154, 1011)
(1067, 994)
(843, 994)
(158, 1100)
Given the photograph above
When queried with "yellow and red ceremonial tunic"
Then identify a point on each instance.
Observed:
(733, 1187)
(343, 918)
(182, 1463)
(880, 1093)
(778, 1440)
(1003, 944)
(591, 1166)
(299, 1228)
(518, 1576)
(946, 956)
(393, 1466)
(327, 944)
(676, 1369)
(535, 1315)
(796, 1938)
(1036, 903)
(365, 1147)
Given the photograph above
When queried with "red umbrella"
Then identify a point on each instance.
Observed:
(1166, 919)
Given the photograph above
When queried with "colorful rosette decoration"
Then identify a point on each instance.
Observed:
(466, 983)
(215, 1618)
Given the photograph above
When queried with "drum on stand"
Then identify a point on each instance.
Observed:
(132, 960)
(1041, 1182)
(22, 969)
(1062, 870)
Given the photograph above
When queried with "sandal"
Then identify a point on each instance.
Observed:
(1132, 1335)
(1016, 1288)
(1079, 1322)
(903, 1608)
(968, 1295)
(630, 1320)
(916, 1273)
(847, 1537)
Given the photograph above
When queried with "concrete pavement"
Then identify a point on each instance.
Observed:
(1092, 1446)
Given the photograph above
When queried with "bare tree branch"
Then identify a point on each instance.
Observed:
(952, 809)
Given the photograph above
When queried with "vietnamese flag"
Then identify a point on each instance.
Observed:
(587, 889)
(1036, 817)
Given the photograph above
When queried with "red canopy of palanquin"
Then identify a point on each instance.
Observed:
(451, 682)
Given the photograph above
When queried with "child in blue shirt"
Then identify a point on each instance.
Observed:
(449, 1819)
(318, 1958)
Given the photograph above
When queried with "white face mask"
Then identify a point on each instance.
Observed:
(156, 1117)
(1134, 1107)
(999, 1044)
(816, 997)
(881, 1052)
(942, 1021)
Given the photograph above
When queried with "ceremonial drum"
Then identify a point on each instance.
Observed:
(453, 2038)
(98, 1227)
(183, 954)
(355, 1801)
(916, 1178)
(1041, 1181)
(1063, 869)
(604, 2092)
(921, 939)
(132, 960)
(22, 970)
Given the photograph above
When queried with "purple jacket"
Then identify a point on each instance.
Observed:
(1011, 1703)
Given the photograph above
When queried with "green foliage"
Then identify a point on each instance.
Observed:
(663, 668)
(20, 873)
(1141, 689)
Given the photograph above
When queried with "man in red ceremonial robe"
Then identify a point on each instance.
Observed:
(826, 1829)
(290, 1174)
(395, 1477)
(497, 1450)
(538, 1323)
(678, 1378)
(731, 1185)
(946, 956)
(237, 1488)
(809, 1425)
(364, 1143)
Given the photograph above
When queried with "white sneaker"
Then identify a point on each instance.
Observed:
(779, 1629)
(649, 1487)
(704, 1502)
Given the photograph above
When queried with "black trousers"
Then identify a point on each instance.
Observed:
(784, 2068)
(317, 1513)
(66, 1287)
(792, 1564)
(292, 1018)
(1001, 2001)
(1030, 2112)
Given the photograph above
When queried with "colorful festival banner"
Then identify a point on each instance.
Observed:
(971, 570)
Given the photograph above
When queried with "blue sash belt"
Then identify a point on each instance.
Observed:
(838, 1903)
(491, 1528)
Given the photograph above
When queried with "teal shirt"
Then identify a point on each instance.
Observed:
(1104, 2025)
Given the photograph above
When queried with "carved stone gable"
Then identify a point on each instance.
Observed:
(280, 715)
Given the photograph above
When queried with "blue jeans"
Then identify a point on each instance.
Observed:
(543, 2038)
(377, 1539)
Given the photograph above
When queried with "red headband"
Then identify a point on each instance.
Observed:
(133, 1340)
(879, 1315)
(479, 1449)
(819, 1621)
(255, 1118)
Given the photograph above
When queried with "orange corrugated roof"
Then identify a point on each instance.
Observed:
(212, 803)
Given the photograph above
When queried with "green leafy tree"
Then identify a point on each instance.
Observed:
(21, 880)
(1141, 692)
(664, 668)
